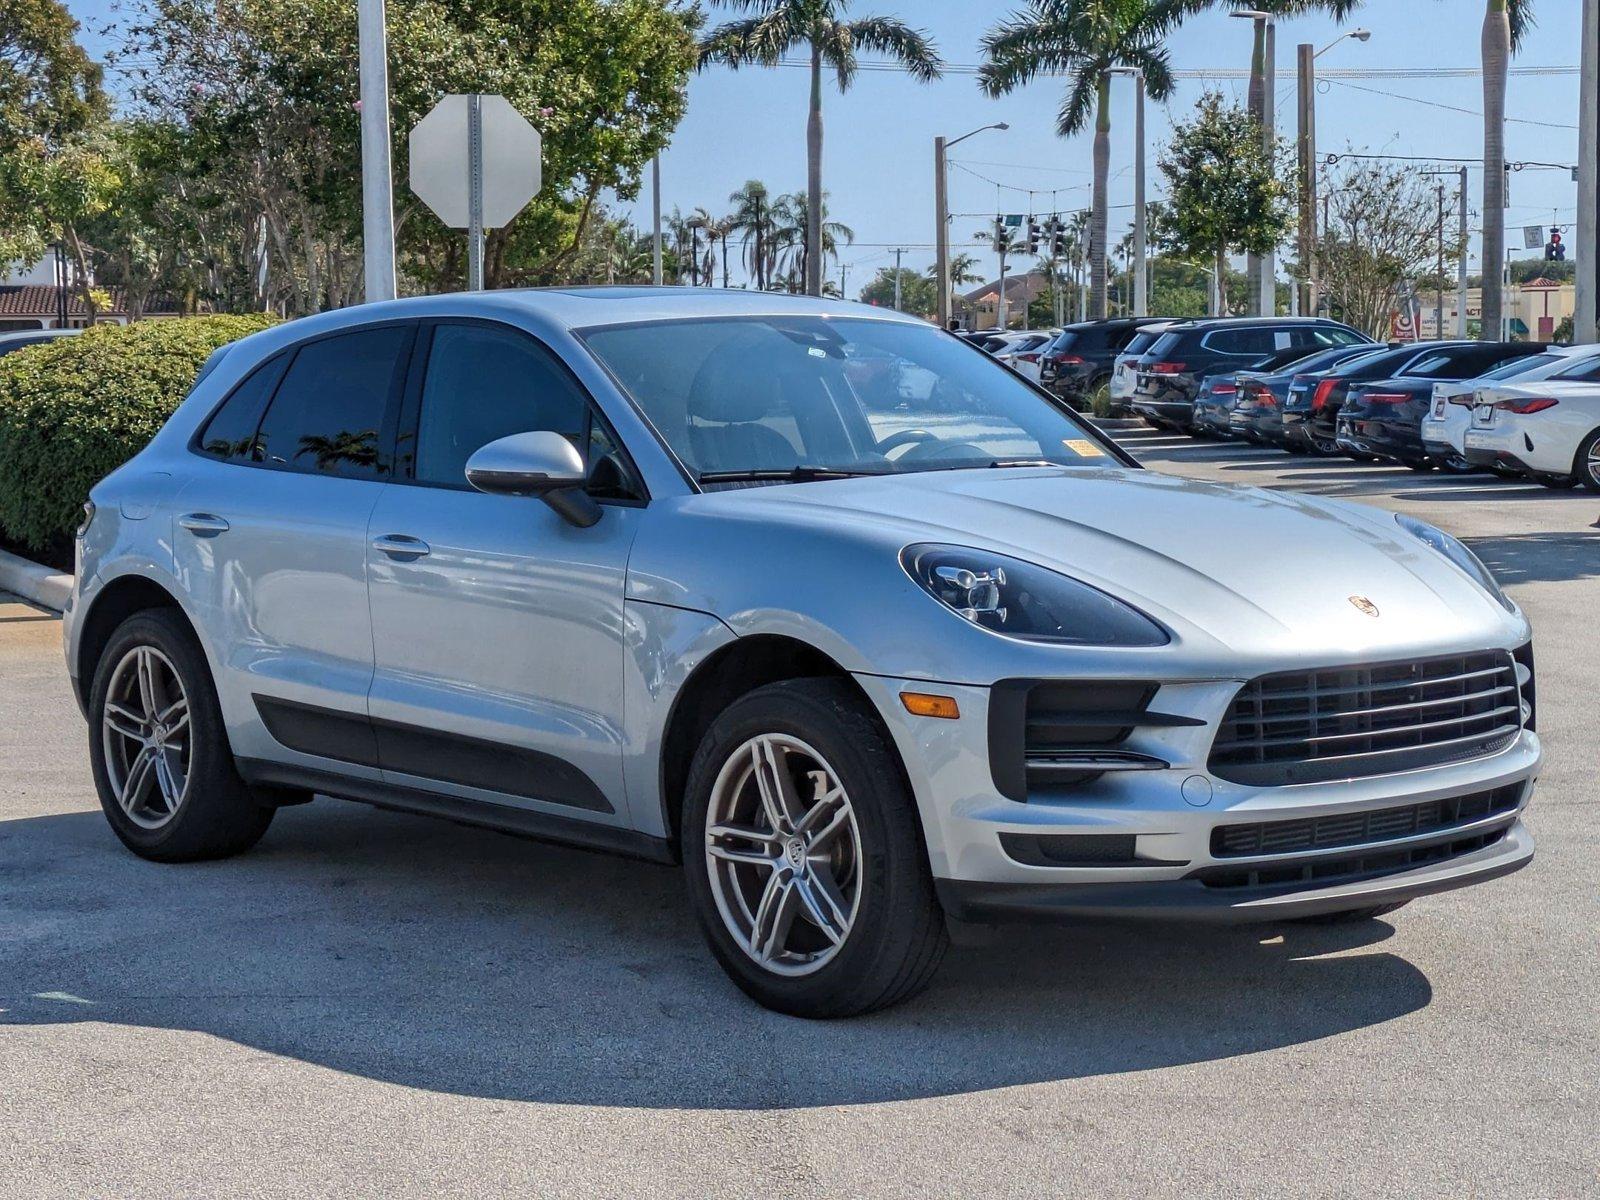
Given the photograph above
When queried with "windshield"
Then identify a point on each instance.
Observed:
(802, 396)
(1519, 366)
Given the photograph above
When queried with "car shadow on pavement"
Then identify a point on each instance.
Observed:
(459, 961)
(1540, 557)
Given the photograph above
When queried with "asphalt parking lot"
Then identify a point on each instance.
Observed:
(375, 1004)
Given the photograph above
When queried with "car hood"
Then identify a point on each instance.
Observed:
(1245, 569)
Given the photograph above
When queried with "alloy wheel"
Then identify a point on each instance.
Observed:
(783, 851)
(146, 734)
(1591, 464)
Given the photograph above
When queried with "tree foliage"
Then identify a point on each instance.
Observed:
(1225, 191)
(919, 293)
(1381, 232)
(250, 109)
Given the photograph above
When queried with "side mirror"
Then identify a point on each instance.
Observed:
(541, 464)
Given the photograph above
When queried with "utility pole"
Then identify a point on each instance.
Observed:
(941, 232)
(1586, 321)
(1461, 266)
(1305, 56)
(898, 252)
(1141, 231)
(941, 214)
(655, 205)
(1438, 312)
(1002, 243)
(844, 270)
(377, 188)
(1269, 142)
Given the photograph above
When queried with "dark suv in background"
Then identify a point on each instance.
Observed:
(1171, 371)
(1082, 356)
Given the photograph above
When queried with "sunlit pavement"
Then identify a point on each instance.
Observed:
(374, 1004)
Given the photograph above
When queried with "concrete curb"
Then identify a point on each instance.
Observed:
(33, 582)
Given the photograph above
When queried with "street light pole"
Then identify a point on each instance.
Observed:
(1305, 55)
(377, 195)
(1141, 272)
(941, 215)
(1586, 320)
(655, 204)
(897, 254)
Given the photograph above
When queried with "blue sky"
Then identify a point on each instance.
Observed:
(878, 168)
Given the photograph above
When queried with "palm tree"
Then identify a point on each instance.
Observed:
(794, 233)
(752, 219)
(1087, 39)
(776, 27)
(1505, 23)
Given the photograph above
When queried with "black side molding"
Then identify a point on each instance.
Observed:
(430, 754)
(520, 822)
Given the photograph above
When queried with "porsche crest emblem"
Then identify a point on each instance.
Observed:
(1364, 605)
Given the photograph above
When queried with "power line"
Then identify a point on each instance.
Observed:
(1471, 112)
(896, 68)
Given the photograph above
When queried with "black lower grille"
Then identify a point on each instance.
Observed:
(1371, 719)
(1050, 734)
(1360, 828)
(1329, 871)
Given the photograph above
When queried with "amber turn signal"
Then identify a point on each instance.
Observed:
(920, 704)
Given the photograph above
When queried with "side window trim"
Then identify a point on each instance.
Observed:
(409, 421)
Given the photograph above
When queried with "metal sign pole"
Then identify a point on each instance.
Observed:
(475, 193)
(377, 197)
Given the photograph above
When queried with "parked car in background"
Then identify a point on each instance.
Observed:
(1547, 429)
(1022, 352)
(1445, 427)
(686, 575)
(1082, 357)
(1217, 400)
(1123, 376)
(1171, 370)
(20, 338)
(1382, 418)
(1257, 412)
(1311, 413)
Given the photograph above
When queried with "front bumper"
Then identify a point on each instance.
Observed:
(1191, 899)
(1166, 818)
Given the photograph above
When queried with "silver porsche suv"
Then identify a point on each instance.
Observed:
(859, 627)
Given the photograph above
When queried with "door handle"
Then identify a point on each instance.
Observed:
(400, 546)
(203, 524)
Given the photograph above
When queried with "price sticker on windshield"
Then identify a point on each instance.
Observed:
(1083, 447)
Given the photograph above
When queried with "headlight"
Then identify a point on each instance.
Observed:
(1456, 553)
(1018, 599)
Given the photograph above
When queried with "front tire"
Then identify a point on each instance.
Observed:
(804, 857)
(159, 751)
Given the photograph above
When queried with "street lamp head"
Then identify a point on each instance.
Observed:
(1361, 35)
(1251, 14)
(1003, 126)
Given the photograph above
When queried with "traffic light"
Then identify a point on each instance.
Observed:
(1555, 250)
(1031, 239)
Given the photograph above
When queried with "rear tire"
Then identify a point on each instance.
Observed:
(1587, 464)
(806, 921)
(158, 748)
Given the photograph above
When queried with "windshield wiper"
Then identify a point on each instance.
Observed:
(796, 474)
(1024, 462)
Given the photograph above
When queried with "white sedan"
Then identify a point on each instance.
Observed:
(1021, 352)
(1444, 428)
(1548, 429)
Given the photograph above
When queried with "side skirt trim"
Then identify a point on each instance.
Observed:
(521, 822)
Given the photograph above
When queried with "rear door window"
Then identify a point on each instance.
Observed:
(1253, 342)
(230, 434)
(1587, 370)
(332, 411)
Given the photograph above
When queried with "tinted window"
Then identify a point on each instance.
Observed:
(1095, 338)
(1588, 369)
(1312, 336)
(1164, 345)
(230, 434)
(484, 383)
(1518, 366)
(1140, 343)
(328, 415)
(1375, 366)
(1240, 342)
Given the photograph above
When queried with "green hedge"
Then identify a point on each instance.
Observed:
(74, 409)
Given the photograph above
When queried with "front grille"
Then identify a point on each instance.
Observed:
(1359, 828)
(1348, 722)
(1327, 872)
